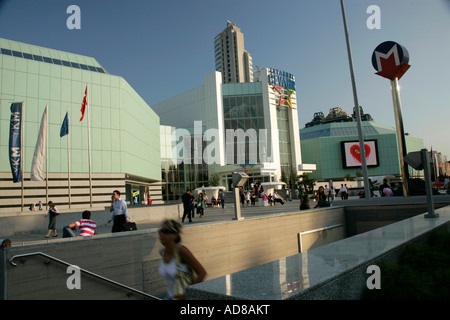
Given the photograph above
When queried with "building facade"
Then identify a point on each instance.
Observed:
(251, 126)
(231, 58)
(123, 129)
(334, 147)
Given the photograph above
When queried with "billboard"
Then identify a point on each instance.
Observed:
(351, 154)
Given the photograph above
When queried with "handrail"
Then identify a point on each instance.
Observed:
(83, 270)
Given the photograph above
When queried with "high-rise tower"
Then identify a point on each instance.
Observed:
(231, 58)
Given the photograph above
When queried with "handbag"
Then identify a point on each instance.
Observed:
(129, 226)
(184, 278)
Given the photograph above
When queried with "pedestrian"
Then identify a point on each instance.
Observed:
(253, 198)
(177, 262)
(186, 199)
(277, 198)
(222, 198)
(387, 192)
(343, 191)
(87, 226)
(51, 214)
(5, 243)
(40, 205)
(321, 198)
(383, 186)
(241, 196)
(119, 211)
(201, 204)
(304, 202)
(270, 199)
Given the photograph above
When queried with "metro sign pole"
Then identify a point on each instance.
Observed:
(391, 61)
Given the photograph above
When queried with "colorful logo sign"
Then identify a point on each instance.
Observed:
(390, 60)
(284, 98)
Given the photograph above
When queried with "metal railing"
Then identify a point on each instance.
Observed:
(11, 261)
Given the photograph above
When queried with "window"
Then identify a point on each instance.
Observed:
(6, 51)
(35, 57)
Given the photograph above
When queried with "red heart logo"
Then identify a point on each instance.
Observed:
(355, 151)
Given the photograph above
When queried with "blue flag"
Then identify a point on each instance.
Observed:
(15, 141)
(65, 126)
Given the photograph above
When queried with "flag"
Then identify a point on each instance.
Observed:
(83, 106)
(65, 126)
(37, 164)
(15, 141)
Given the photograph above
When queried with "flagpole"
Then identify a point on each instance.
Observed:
(46, 157)
(89, 150)
(21, 149)
(68, 159)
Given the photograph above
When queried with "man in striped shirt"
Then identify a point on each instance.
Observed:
(86, 225)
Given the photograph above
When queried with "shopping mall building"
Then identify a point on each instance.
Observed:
(249, 126)
(123, 130)
(205, 134)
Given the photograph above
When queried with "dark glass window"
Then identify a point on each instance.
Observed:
(75, 65)
(48, 60)
(66, 63)
(37, 58)
(6, 51)
(84, 67)
(57, 61)
(28, 56)
(17, 54)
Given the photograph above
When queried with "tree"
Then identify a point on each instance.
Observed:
(307, 182)
(214, 180)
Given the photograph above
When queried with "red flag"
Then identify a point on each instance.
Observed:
(83, 106)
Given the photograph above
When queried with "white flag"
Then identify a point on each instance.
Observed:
(37, 165)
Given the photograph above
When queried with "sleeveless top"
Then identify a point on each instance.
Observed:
(168, 272)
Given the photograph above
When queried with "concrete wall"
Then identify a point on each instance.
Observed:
(31, 221)
(132, 258)
(335, 271)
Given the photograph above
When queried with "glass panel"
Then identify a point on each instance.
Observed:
(6, 51)
(17, 54)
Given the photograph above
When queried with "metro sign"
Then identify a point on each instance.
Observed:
(390, 60)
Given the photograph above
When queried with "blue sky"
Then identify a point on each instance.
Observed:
(164, 48)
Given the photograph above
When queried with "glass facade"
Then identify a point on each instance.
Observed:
(122, 125)
(243, 109)
(176, 178)
(284, 138)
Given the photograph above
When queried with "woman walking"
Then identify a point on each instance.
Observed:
(178, 267)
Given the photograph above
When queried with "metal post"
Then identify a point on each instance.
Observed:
(428, 188)
(237, 206)
(358, 112)
(400, 135)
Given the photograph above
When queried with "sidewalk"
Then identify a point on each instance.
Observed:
(211, 215)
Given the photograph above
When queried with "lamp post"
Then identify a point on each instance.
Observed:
(358, 111)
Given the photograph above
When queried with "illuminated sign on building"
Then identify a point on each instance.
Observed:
(287, 96)
(282, 79)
